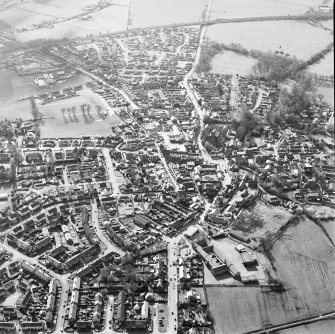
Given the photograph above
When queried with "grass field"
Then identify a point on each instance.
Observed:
(262, 219)
(328, 94)
(321, 327)
(56, 126)
(247, 8)
(231, 63)
(324, 66)
(6, 88)
(304, 259)
(295, 38)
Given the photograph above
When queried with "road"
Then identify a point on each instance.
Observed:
(96, 78)
(63, 279)
(173, 285)
(95, 221)
(110, 171)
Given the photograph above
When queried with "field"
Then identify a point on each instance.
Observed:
(13, 110)
(6, 88)
(242, 309)
(13, 88)
(328, 94)
(324, 66)
(303, 257)
(55, 125)
(322, 327)
(262, 219)
(107, 20)
(25, 15)
(230, 62)
(155, 12)
(287, 36)
(328, 24)
(36, 12)
(247, 8)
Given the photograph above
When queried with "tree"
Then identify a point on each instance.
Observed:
(73, 109)
(209, 147)
(240, 133)
(104, 292)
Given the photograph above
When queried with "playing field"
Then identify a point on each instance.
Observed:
(295, 38)
(231, 63)
(57, 125)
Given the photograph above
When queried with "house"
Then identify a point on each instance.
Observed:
(239, 236)
(7, 327)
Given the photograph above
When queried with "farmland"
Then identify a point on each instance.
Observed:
(247, 8)
(242, 309)
(27, 14)
(229, 62)
(303, 258)
(108, 20)
(286, 36)
(155, 12)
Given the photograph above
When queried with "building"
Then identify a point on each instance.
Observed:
(239, 236)
(24, 300)
(120, 308)
(74, 300)
(29, 327)
(212, 260)
(7, 327)
(36, 272)
(98, 301)
(247, 259)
